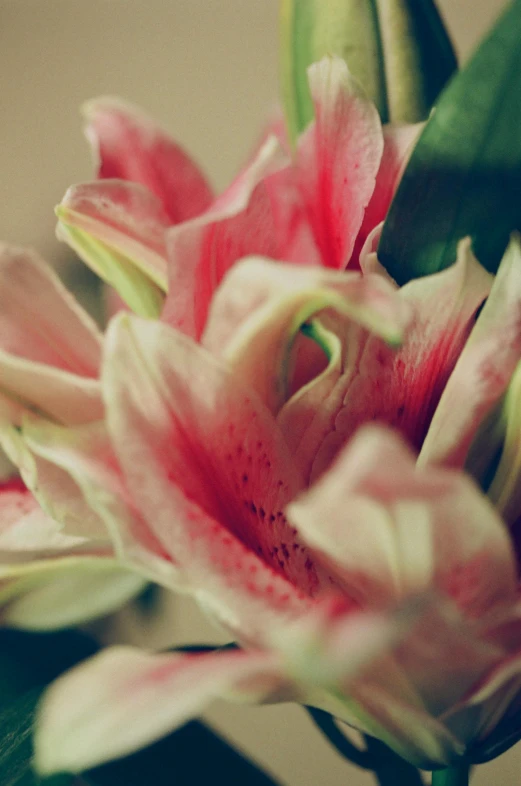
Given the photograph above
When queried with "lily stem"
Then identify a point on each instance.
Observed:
(452, 776)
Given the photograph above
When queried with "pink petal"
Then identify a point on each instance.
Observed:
(403, 697)
(387, 531)
(86, 457)
(158, 692)
(240, 222)
(25, 530)
(292, 229)
(338, 158)
(399, 142)
(130, 146)
(67, 591)
(260, 307)
(40, 320)
(55, 490)
(483, 370)
(161, 692)
(49, 347)
(209, 472)
(398, 387)
(124, 216)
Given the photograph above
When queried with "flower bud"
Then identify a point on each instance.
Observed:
(398, 49)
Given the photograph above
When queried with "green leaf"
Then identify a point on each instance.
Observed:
(191, 756)
(28, 663)
(398, 49)
(464, 176)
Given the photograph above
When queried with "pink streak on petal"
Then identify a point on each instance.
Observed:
(399, 142)
(338, 158)
(483, 371)
(239, 223)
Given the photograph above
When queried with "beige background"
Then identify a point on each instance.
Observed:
(207, 69)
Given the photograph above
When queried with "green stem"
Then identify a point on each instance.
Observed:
(452, 776)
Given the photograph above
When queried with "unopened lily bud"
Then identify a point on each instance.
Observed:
(398, 49)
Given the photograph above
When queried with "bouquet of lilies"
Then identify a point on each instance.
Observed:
(304, 410)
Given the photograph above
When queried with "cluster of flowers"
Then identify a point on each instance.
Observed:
(279, 430)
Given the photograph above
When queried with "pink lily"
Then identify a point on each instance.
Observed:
(317, 208)
(303, 530)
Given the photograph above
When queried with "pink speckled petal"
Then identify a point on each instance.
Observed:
(208, 470)
(388, 531)
(337, 159)
(129, 145)
(240, 222)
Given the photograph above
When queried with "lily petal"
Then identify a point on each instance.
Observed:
(240, 222)
(130, 146)
(49, 578)
(387, 531)
(25, 529)
(338, 158)
(483, 370)
(56, 491)
(261, 306)
(398, 387)
(399, 142)
(161, 692)
(69, 592)
(209, 472)
(86, 455)
(50, 349)
(123, 217)
(158, 692)
(39, 318)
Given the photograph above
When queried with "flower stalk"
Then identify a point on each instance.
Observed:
(452, 776)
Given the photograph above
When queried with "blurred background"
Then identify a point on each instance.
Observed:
(207, 70)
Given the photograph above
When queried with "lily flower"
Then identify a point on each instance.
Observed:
(151, 229)
(266, 471)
